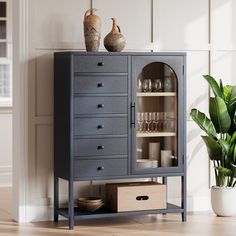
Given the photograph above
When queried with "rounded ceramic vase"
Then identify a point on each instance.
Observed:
(223, 200)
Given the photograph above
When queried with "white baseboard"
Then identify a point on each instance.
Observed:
(5, 176)
(195, 203)
(199, 204)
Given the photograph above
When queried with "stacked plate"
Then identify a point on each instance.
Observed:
(89, 203)
(146, 163)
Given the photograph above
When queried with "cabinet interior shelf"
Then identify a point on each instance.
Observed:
(158, 94)
(157, 134)
(105, 212)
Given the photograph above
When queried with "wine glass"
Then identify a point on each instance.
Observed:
(140, 85)
(157, 121)
(157, 85)
(153, 121)
(164, 122)
(149, 121)
(168, 86)
(147, 85)
(140, 121)
(145, 121)
(161, 122)
(171, 121)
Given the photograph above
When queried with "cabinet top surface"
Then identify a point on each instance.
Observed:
(83, 53)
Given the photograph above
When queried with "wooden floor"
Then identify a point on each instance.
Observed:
(198, 224)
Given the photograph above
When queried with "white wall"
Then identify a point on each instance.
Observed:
(5, 147)
(160, 25)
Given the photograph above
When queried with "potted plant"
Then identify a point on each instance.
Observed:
(220, 140)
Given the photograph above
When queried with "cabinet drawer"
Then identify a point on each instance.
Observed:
(100, 84)
(100, 64)
(100, 147)
(100, 126)
(100, 105)
(100, 168)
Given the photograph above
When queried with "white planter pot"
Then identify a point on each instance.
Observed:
(223, 200)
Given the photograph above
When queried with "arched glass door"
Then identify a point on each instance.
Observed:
(156, 118)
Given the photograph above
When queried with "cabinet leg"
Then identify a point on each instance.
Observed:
(71, 205)
(183, 198)
(164, 181)
(71, 224)
(184, 216)
(56, 198)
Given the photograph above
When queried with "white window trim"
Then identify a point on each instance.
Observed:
(7, 102)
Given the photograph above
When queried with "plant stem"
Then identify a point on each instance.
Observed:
(231, 181)
(216, 176)
(234, 184)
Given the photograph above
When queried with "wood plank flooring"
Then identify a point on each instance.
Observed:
(5, 203)
(198, 224)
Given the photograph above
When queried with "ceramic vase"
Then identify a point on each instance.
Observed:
(114, 41)
(92, 30)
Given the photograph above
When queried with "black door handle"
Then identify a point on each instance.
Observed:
(101, 105)
(100, 85)
(100, 63)
(100, 126)
(100, 147)
(100, 168)
(133, 114)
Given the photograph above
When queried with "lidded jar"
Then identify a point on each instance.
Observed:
(114, 41)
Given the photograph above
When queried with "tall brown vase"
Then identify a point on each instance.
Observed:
(92, 30)
(114, 41)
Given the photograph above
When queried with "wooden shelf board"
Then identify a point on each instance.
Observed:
(157, 134)
(105, 212)
(156, 94)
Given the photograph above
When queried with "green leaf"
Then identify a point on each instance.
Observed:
(228, 138)
(234, 155)
(219, 115)
(233, 138)
(230, 99)
(234, 170)
(213, 148)
(225, 146)
(203, 122)
(222, 88)
(214, 85)
(230, 156)
(234, 123)
(224, 171)
(233, 126)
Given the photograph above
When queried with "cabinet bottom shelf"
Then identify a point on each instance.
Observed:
(105, 212)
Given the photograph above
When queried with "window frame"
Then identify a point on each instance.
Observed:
(7, 101)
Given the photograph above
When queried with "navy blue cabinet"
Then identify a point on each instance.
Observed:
(118, 115)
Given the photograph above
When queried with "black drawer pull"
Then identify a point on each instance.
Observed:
(100, 168)
(142, 198)
(101, 147)
(100, 85)
(100, 63)
(101, 105)
(100, 126)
